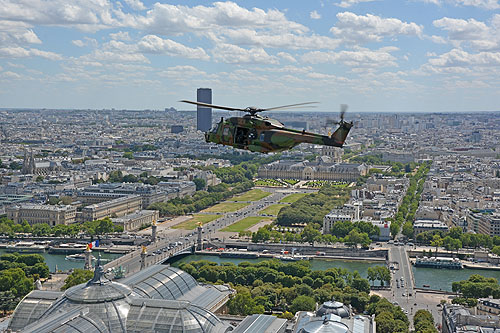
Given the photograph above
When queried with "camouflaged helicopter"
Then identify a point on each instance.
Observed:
(263, 134)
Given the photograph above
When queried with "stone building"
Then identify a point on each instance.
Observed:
(113, 208)
(136, 220)
(321, 169)
(34, 214)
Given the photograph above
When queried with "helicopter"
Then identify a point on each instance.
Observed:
(262, 134)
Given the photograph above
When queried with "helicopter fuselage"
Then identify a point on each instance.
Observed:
(263, 134)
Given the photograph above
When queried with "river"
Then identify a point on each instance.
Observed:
(64, 265)
(441, 279)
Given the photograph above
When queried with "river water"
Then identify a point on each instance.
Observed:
(64, 265)
(438, 279)
(441, 279)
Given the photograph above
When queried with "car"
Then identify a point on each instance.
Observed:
(404, 294)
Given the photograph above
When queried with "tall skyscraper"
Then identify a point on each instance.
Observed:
(204, 115)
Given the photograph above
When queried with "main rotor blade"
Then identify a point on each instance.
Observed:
(286, 106)
(212, 106)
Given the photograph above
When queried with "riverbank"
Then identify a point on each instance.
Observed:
(317, 264)
(284, 257)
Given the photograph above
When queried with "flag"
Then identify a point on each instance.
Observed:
(94, 244)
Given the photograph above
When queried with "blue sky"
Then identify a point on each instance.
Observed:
(400, 55)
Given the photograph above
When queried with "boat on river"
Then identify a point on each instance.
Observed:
(77, 257)
(292, 258)
(240, 255)
(68, 248)
(439, 262)
(26, 247)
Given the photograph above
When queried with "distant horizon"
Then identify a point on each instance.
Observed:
(262, 113)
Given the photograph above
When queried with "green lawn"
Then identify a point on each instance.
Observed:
(192, 223)
(321, 183)
(225, 207)
(252, 195)
(268, 182)
(293, 197)
(273, 209)
(244, 224)
(290, 181)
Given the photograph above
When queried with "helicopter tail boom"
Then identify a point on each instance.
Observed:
(341, 133)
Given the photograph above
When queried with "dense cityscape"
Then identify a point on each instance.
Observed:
(355, 234)
(175, 166)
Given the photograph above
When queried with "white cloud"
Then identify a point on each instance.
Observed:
(166, 19)
(462, 29)
(460, 58)
(19, 52)
(121, 35)
(78, 43)
(86, 42)
(114, 56)
(14, 33)
(314, 15)
(486, 4)
(475, 34)
(182, 72)
(232, 54)
(360, 57)
(135, 4)
(249, 37)
(11, 75)
(371, 28)
(286, 56)
(437, 39)
(82, 14)
(349, 3)
(157, 45)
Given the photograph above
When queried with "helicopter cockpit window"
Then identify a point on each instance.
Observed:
(261, 136)
(225, 131)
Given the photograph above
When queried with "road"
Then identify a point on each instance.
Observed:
(406, 296)
(164, 247)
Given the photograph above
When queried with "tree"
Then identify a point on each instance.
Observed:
(424, 322)
(437, 241)
(303, 303)
(41, 229)
(78, 276)
(200, 183)
(408, 229)
(15, 166)
(310, 234)
(262, 235)
(129, 155)
(104, 226)
(354, 238)
(243, 304)
(361, 285)
(394, 229)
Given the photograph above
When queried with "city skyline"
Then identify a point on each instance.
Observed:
(416, 56)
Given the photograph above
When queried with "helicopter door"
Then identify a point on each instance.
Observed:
(241, 136)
